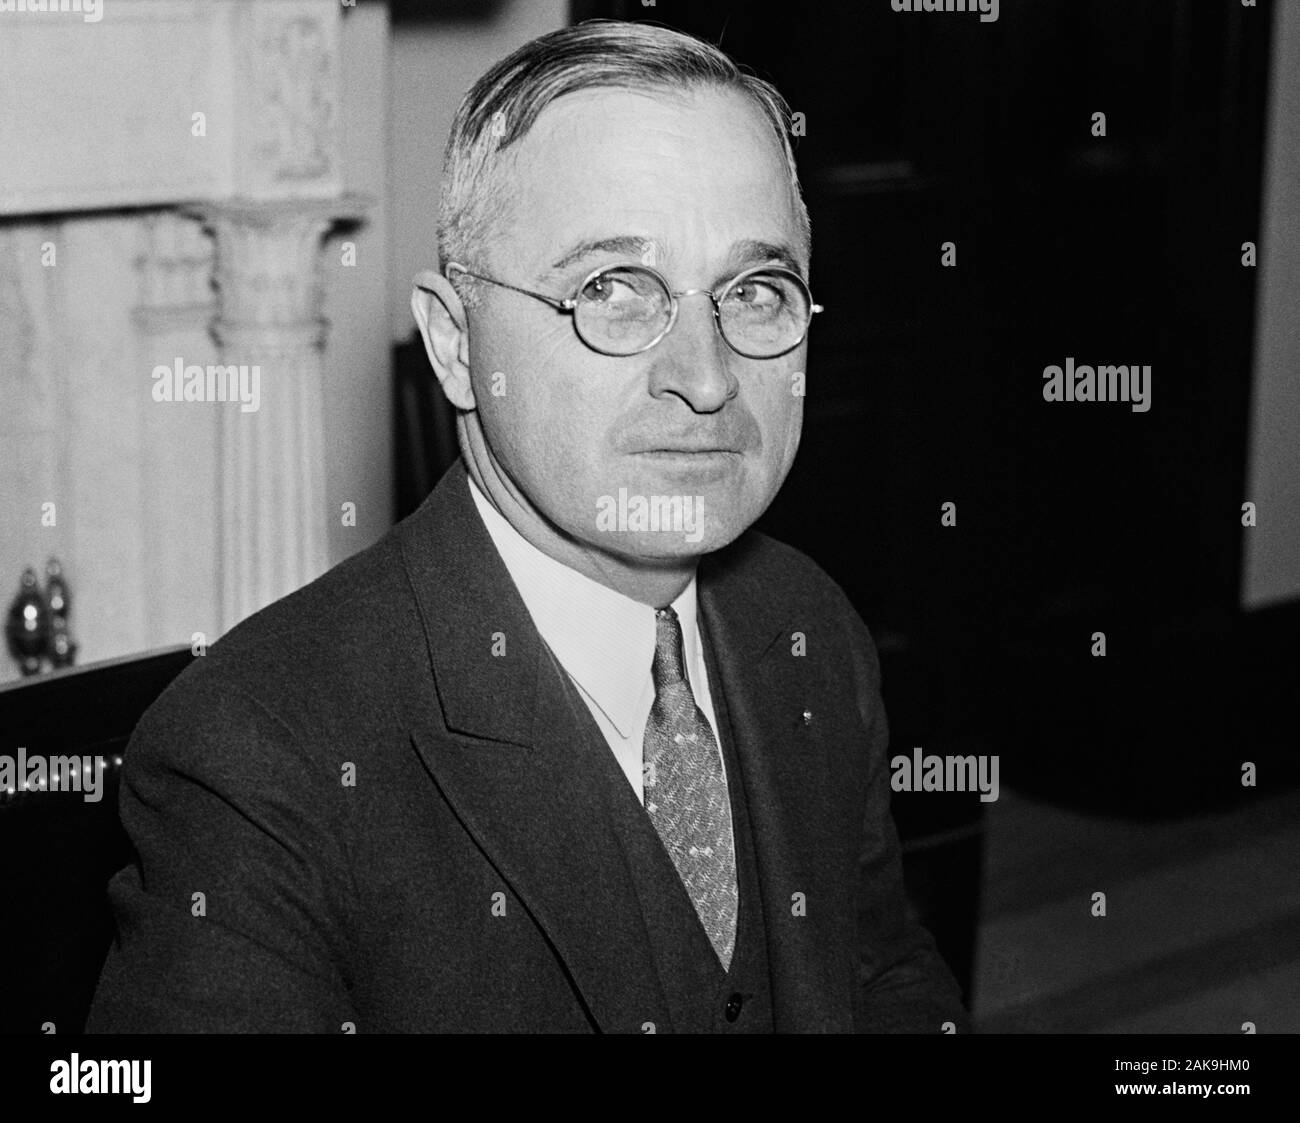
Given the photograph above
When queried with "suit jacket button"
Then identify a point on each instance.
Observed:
(732, 1009)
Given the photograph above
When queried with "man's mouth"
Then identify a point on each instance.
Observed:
(687, 450)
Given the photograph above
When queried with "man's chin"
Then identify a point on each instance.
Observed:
(669, 545)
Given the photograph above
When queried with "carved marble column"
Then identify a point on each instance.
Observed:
(271, 467)
(284, 195)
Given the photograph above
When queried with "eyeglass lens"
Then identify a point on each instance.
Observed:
(621, 310)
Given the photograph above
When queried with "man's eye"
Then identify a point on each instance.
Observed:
(758, 292)
(608, 287)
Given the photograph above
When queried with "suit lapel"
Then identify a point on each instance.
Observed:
(500, 736)
(784, 769)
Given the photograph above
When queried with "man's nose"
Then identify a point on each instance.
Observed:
(693, 361)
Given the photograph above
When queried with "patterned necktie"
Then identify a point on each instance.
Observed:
(685, 792)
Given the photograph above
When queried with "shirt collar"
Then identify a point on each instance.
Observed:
(603, 639)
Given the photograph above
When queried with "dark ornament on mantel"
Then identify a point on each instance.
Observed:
(62, 651)
(28, 627)
(56, 589)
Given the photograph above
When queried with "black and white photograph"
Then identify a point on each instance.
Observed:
(537, 517)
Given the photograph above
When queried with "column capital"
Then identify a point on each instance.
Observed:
(268, 257)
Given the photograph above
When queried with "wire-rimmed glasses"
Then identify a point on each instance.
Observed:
(625, 309)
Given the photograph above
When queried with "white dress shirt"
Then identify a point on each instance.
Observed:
(604, 641)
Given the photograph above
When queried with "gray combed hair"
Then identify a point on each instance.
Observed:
(505, 102)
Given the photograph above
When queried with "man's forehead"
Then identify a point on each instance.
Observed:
(651, 175)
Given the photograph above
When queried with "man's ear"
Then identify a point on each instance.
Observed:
(444, 327)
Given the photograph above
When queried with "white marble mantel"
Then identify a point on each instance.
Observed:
(106, 114)
(167, 175)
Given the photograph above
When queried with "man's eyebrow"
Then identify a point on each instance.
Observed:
(746, 252)
(629, 244)
(751, 251)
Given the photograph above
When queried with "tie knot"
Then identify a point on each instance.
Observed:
(669, 661)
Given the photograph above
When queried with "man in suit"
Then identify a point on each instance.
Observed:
(571, 748)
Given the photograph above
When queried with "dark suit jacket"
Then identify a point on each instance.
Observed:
(357, 786)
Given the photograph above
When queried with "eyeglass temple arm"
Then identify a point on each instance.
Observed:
(558, 305)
